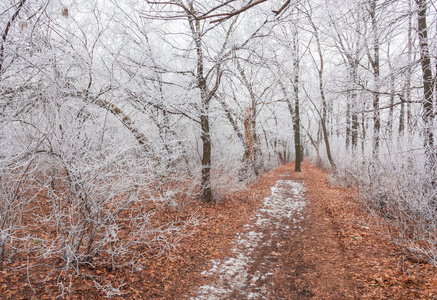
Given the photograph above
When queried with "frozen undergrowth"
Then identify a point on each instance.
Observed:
(233, 276)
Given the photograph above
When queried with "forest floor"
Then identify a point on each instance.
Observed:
(288, 236)
(327, 248)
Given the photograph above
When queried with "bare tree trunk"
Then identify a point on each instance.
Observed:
(348, 123)
(354, 130)
(375, 66)
(296, 126)
(251, 137)
(354, 114)
(427, 103)
(205, 182)
(205, 185)
(296, 119)
(323, 119)
(327, 145)
(316, 145)
(435, 61)
(392, 101)
(392, 95)
(126, 121)
(363, 130)
(402, 116)
(410, 69)
(236, 129)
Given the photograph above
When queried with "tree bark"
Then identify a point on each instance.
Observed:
(410, 69)
(296, 119)
(323, 117)
(354, 129)
(427, 103)
(126, 121)
(402, 116)
(205, 135)
(206, 96)
(348, 123)
(253, 154)
(375, 67)
(205, 185)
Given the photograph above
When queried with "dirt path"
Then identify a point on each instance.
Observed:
(314, 263)
(289, 250)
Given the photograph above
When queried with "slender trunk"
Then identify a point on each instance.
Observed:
(401, 116)
(297, 145)
(205, 185)
(435, 61)
(316, 145)
(427, 103)
(256, 161)
(249, 153)
(348, 123)
(323, 120)
(296, 119)
(392, 96)
(375, 66)
(354, 114)
(409, 70)
(354, 129)
(327, 145)
(294, 112)
(237, 131)
(205, 181)
(392, 101)
(126, 121)
(253, 156)
(363, 129)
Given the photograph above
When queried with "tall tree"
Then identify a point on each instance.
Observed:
(320, 66)
(373, 56)
(427, 102)
(296, 83)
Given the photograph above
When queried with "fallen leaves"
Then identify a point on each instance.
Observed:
(376, 267)
(417, 259)
(379, 268)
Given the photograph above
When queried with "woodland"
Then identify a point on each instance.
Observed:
(121, 120)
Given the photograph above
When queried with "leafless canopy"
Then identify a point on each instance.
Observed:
(221, 11)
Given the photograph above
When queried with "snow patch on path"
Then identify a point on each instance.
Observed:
(286, 202)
